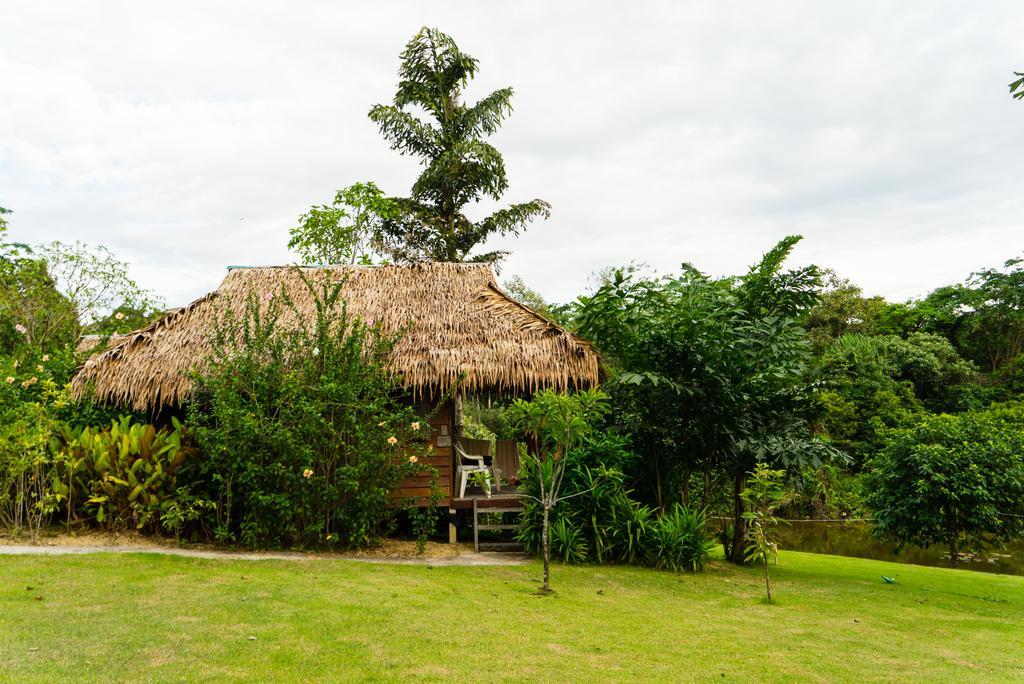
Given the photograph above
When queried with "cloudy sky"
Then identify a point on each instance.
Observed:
(188, 136)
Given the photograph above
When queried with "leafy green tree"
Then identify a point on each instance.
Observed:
(557, 424)
(863, 395)
(123, 319)
(956, 480)
(459, 166)
(33, 313)
(95, 282)
(344, 232)
(517, 288)
(711, 375)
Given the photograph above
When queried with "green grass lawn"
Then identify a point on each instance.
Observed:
(159, 618)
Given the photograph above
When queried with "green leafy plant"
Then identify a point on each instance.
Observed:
(764, 493)
(181, 510)
(29, 399)
(482, 479)
(424, 518)
(123, 476)
(678, 540)
(710, 375)
(567, 542)
(596, 503)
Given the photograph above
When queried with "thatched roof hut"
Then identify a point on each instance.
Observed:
(455, 318)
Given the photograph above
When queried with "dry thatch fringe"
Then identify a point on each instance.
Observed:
(456, 322)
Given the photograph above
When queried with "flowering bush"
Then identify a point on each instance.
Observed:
(305, 433)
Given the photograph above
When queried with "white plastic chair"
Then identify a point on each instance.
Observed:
(476, 465)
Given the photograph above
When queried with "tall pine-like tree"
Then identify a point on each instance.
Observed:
(429, 120)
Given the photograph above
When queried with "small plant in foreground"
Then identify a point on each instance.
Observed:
(765, 492)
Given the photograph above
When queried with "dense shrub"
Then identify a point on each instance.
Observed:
(305, 433)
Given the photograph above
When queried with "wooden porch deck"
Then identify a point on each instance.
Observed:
(508, 497)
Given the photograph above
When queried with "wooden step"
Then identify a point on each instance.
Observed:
(494, 545)
(500, 546)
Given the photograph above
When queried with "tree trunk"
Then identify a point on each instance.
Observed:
(546, 549)
(739, 530)
(658, 484)
(767, 580)
(686, 487)
(954, 552)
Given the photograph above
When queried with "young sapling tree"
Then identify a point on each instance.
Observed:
(557, 423)
(764, 493)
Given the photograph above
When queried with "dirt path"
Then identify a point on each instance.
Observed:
(456, 557)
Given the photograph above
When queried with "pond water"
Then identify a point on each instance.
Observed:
(855, 539)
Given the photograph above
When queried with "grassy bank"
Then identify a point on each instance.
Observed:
(146, 617)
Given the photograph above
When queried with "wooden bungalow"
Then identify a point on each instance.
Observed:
(453, 320)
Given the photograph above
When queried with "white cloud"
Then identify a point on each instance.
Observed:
(188, 137)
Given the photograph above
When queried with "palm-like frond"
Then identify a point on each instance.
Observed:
(461, 174)
(514, 218)
(486, 116)
(407, 133)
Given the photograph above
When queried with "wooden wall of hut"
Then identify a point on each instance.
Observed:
(442, 429)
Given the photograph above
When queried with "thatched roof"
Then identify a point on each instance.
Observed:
(92, 344)
(456, 321)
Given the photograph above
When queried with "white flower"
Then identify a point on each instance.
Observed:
(46, 357)
(392, 440)
(416, 425)
(39, 368)
(22, 329)
(413, 459)
(307, 473)
(316, 351)
(10, 380)
(119, 316)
